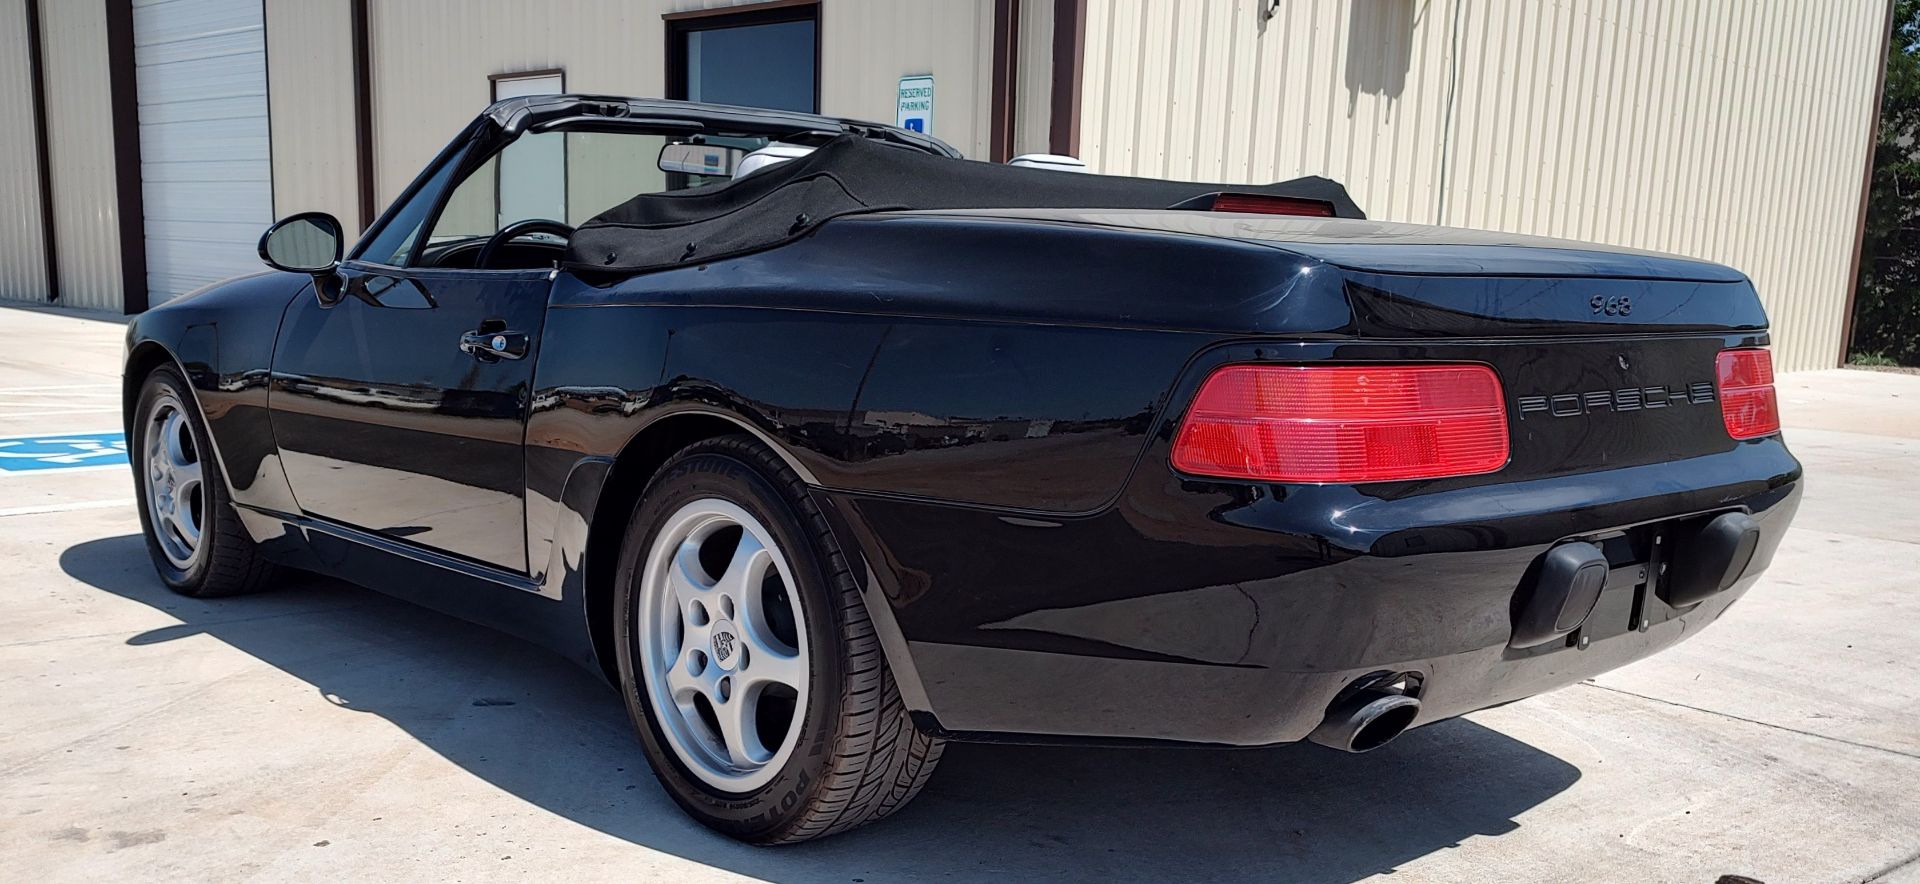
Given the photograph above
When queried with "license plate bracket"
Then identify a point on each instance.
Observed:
(1629, 601)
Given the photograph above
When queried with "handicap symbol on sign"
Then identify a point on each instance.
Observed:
(65, 451)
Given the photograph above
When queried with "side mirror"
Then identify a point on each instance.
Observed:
(305, 243)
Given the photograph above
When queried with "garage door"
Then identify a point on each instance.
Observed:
(201, 74)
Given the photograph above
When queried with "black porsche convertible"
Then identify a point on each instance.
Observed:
(826, 446)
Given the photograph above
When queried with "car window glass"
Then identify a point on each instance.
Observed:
(560, 176)
(394, 244)
(564, 176)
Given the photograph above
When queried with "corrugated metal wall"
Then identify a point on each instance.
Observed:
(310, 101)
(23, 271)
(1735, 132)
(86, 207)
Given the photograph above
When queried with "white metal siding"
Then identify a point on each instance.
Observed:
(1735, 132)
(205, 169)
(23, 271)
(310, 94)
(86, 207)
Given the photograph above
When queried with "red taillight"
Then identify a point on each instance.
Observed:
(1747, 402)
(1344, 423)
(1260, 204)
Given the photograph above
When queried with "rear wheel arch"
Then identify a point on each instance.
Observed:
(636, 464)
(860, 756)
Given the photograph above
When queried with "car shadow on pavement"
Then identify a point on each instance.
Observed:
(553, 735)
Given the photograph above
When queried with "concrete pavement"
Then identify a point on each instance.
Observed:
(323, 732)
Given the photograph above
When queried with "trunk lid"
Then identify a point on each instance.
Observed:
(1606, 357)
(1445, 251)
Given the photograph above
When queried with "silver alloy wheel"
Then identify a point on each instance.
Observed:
(723, 645)
(175, 488)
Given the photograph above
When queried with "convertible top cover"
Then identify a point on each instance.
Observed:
(851, 175)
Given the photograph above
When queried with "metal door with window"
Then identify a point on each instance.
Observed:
(766, 57)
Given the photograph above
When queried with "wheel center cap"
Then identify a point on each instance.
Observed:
(726, 644)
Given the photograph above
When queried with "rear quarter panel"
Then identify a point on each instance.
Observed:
(972, 360)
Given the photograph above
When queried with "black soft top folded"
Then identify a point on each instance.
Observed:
(850, 175)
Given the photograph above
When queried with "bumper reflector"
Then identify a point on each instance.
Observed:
(1344, 423)
(1568, 584)
(1712, 560)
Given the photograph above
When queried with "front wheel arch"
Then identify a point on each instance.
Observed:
(222, 559)
(144, 358)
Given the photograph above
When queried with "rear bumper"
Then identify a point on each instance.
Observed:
(1202, 613)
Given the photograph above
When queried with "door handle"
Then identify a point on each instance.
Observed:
(490, 346)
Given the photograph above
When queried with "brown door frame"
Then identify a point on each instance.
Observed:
(362, 42)
(1866, 191)
(1069, 43)
(124, 109)
(1069, 51)
(680, 24)
(43, 162)
(1006, 79)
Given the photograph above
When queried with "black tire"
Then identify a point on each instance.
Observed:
(859, 757)
(230, 563)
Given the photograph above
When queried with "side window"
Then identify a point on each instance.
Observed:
(394, 244)
(559, 176)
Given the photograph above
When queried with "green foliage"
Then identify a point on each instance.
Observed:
(1871, 359)
(1887, 308)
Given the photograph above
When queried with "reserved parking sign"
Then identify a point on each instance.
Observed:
(916, 104)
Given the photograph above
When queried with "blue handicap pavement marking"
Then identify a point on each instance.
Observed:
(62, 451)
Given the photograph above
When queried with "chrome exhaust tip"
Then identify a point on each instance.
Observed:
(1365, 720)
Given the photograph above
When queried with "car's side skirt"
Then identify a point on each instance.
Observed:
(511, 603)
